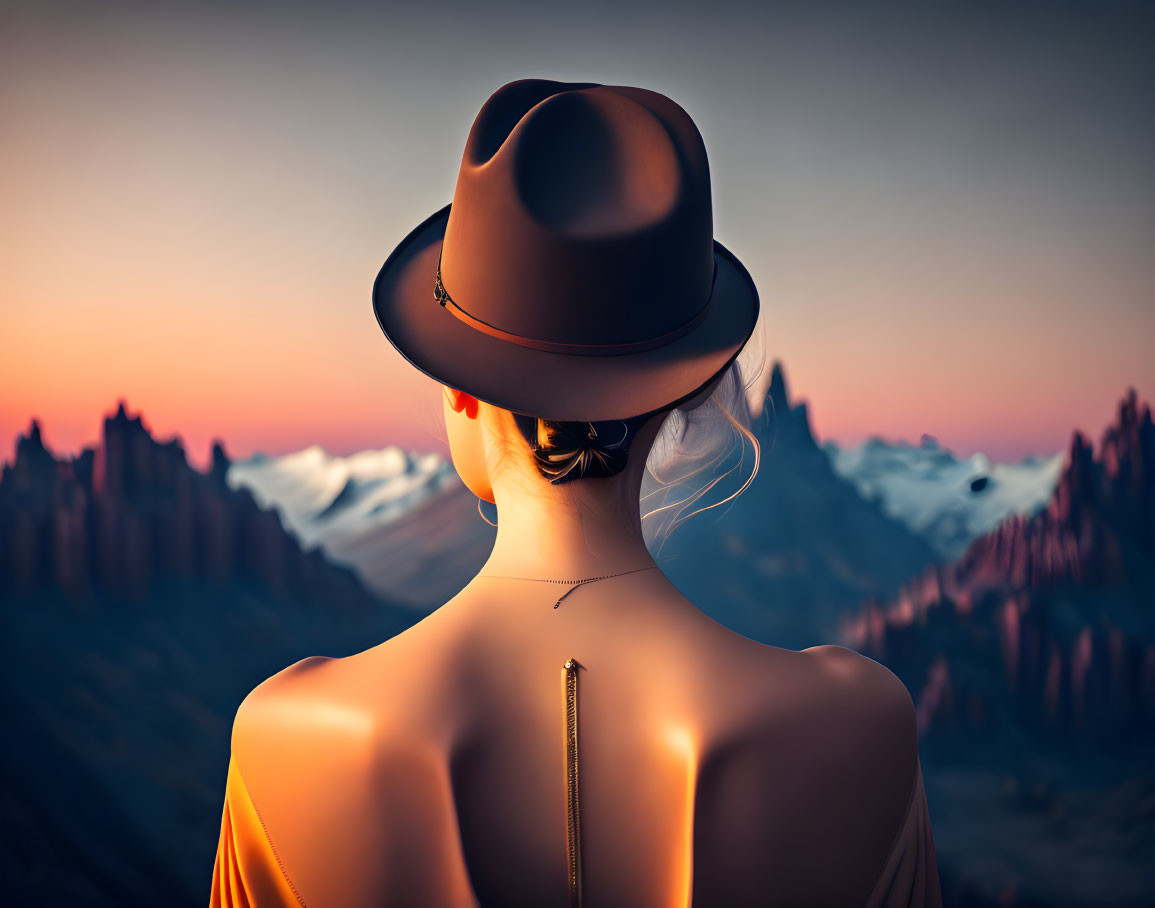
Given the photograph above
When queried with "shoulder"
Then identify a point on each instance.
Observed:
(850, 729)
(308, 714)
(867, 721)
(288, 676)
(870, 712)
(830, 690)
(852, 712)
(271, 702)
(327, 746)
(830, 751)
(311, 723)
(323, 705)
(854, 743)
(388, 686)
(868, 685)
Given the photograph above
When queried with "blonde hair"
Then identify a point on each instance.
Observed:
(711, 441)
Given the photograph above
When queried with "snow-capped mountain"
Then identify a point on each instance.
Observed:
(360, 509)
(949, 501)
(320, 495)
(404, 522)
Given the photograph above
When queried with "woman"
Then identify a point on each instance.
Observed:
(569, 729)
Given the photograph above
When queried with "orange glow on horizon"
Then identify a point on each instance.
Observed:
(199, 235)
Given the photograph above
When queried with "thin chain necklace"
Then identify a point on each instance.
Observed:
(572, 584)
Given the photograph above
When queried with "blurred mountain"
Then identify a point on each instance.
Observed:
(948, 500)
(784, 561)
(141, 600)
(403, 521)
(1031, 660)
(1049, 618)
(117, 517)
(319, 495)
(425, 557)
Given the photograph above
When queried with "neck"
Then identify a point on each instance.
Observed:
(588, 528)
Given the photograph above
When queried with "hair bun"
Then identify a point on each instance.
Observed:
(569, 450)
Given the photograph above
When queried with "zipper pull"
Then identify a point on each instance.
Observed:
(572, 796)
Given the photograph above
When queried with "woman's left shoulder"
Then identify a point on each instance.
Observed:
(268, 700)
(304, 725)
(320, 701)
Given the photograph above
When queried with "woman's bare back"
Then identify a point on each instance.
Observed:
(431, 768)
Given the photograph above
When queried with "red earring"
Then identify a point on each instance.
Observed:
(459, 401)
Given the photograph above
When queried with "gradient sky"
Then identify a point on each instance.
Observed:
(950, 214)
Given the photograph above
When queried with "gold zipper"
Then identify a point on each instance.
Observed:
(573, 811)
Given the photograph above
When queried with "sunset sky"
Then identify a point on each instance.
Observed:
(950, 215)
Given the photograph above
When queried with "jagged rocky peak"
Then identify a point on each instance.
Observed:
(779, 391)
(801, 415)
(122, 421)
(1128, 447)
(34, 463)
(220, 462)
(1116, 487)
(788, 418)
(130, 461)
(133, 512)
(31, 444)
(1061, 599)
(1076, 486)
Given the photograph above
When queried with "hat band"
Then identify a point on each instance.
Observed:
(441, 295)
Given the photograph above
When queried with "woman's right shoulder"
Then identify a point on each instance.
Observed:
(823, 752)
(868, 684)
(862, 705)
(839, 710)
(850, 712)
(834, 757)
(864, 722)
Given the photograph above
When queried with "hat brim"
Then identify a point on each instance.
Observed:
(561, 386)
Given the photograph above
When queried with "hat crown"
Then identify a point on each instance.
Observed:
(581, 216)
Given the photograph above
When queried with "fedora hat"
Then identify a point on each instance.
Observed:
(575, 275)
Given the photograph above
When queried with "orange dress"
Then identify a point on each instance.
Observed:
(249, 874)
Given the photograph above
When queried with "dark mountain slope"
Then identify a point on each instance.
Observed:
(140, 601)
(801, 546)
(1032, 663)
(1048, 620)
